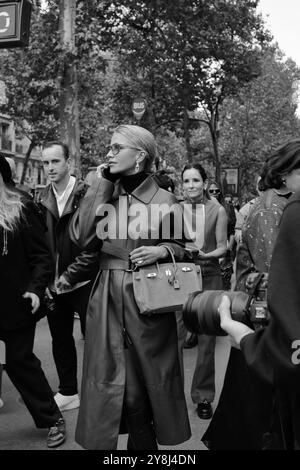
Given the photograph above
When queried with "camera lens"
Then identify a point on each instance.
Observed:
(200, 312)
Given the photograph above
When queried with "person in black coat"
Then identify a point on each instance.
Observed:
(273, 353)
(73, 269)
(25, 268)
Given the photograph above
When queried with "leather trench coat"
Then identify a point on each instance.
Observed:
(112, 308)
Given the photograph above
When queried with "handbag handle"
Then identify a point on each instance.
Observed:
(171, 252)
(173, 279)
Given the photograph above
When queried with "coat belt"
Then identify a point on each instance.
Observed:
(115, 263)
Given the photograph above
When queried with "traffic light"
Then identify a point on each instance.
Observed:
(14, 23)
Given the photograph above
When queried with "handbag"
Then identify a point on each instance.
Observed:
(165, 287)
(160, 287)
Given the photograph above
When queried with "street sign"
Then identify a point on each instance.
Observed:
(14, 23)
(139, 107)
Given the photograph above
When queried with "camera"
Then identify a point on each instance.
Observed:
(201, 315)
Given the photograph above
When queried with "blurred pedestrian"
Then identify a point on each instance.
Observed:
(226, 262)
(25, 268)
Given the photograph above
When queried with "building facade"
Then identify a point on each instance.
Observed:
(15, 147)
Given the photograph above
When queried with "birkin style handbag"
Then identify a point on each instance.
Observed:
(160, 287)
(165, 287)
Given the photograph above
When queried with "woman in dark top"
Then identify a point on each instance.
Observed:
(25, 268)
(209, 242)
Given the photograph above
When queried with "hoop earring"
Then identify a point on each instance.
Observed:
(137, 167)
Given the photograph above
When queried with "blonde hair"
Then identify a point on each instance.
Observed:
(10, 207)
(141, 138)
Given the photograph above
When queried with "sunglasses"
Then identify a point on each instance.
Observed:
(115, 148)
(214, 191)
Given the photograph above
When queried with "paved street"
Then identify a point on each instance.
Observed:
(17, 431)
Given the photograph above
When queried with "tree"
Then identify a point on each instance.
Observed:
(181, 56)
(31, 86)
(34, 77)
(68, 102)
(260, 117)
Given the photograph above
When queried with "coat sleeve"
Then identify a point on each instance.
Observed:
(277, 347)
(84, 267)
(83, 226)
(36, 248)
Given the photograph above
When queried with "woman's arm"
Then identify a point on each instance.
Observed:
(83, 226)
(221, 237)
(37, 251)
(234, 329)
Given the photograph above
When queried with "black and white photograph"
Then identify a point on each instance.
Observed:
(149, 228)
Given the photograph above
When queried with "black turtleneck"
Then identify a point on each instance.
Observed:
(131, 182)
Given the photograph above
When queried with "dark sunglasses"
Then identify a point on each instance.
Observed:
(115, 148)
(214, 191)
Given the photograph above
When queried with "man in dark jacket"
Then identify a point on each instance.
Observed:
(69, 289)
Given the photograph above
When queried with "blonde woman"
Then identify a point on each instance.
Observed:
(24, 273)
(131, 373)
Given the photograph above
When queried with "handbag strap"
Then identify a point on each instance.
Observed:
(171, 252)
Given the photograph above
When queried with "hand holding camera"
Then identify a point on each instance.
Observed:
(218, 313)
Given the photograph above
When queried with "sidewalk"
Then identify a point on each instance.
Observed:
(17, 430)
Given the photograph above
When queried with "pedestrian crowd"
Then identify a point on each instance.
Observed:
(76, 250)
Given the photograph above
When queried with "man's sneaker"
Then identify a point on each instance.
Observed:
(1, 403)
(67, 402)
(57, 434)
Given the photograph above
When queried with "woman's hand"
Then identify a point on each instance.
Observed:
(202, 255)
(35, 301)
(148, 254)
(104, 170)
(234, 329)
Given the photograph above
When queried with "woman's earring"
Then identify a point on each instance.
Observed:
(137, 167)
(284, 181)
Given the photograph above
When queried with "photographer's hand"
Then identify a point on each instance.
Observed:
(234, 329)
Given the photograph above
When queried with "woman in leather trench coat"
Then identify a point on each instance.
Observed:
(131, 373)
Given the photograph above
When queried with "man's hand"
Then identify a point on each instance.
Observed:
(62, 284)
(35, 301)
(224, 311)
